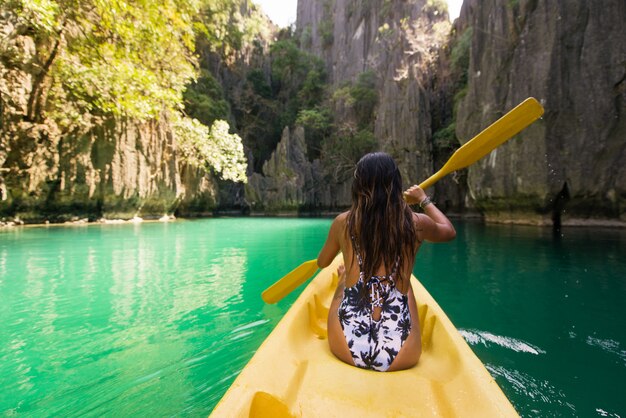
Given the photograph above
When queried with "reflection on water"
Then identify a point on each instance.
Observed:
(227, 276)
(146, 320)
(158, 319)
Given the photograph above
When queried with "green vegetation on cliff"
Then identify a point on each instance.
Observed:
(95, 57)
(284, 82)
(351, 138)
(94, 61)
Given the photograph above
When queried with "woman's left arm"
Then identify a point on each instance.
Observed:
(331, 246)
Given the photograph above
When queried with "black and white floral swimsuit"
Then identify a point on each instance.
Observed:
(374, 344)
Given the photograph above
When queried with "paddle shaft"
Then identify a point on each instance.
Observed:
(494, 135)
(289, 282)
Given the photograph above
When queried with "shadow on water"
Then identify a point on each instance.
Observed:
(558, 209)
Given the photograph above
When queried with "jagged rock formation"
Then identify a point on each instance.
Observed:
(569, 165)
(291, 183)
(280, 184)
(571, 56)
(399, 42)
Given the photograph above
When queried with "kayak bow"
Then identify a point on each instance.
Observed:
(294, 373)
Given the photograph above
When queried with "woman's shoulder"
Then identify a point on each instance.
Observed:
(342, 217)
(340, 222)
(422, 224)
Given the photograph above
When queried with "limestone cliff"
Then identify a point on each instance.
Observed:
(289, 181)
(571, 56)
(433, 85)
(104, 167)
(118, 169)
(99, 166)
(399, 42)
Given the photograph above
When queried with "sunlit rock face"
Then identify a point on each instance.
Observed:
(570, 56)
(118, 169)
(396, 40)
(101, 167)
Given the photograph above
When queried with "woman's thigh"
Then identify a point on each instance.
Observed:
(411, 350)
(336, 339)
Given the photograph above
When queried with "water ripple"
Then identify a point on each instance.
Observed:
(250, 325)
(608, 345)
(474, 337)
(530, 387)
(601, 412)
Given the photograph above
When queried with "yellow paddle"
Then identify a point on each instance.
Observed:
(288, 283)
(482, 144)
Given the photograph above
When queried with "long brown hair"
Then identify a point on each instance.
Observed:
(380, 220)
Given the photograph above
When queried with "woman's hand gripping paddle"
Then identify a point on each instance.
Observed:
(482, 144)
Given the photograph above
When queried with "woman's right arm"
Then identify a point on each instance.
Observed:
(435, 226)
(332, 245)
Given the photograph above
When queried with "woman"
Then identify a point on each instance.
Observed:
(373, 322)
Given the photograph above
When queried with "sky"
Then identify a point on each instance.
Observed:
(283, 12)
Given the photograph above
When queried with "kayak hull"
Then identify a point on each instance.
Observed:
(294, 373)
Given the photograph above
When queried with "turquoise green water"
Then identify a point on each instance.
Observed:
(158, 319)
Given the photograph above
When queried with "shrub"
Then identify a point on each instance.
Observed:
(259, 85)
(204, 99)
(327, 25)
(365, 98)
(445, 138)
(213, 149)
(317, 124)
(342, 151)
(460, 54)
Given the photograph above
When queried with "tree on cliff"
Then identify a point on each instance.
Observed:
(94, 60)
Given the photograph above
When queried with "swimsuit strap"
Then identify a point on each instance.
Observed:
(358, 253)
(379, 286)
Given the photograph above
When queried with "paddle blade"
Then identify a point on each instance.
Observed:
(289, 282)
(497, 133)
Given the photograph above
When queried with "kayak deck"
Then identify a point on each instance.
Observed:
(294, 373)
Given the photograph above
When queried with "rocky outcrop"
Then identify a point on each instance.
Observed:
(289, 182)
(118, 169)
(569, 55)
(396, 40)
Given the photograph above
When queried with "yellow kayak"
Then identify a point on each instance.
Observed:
(294, 374)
